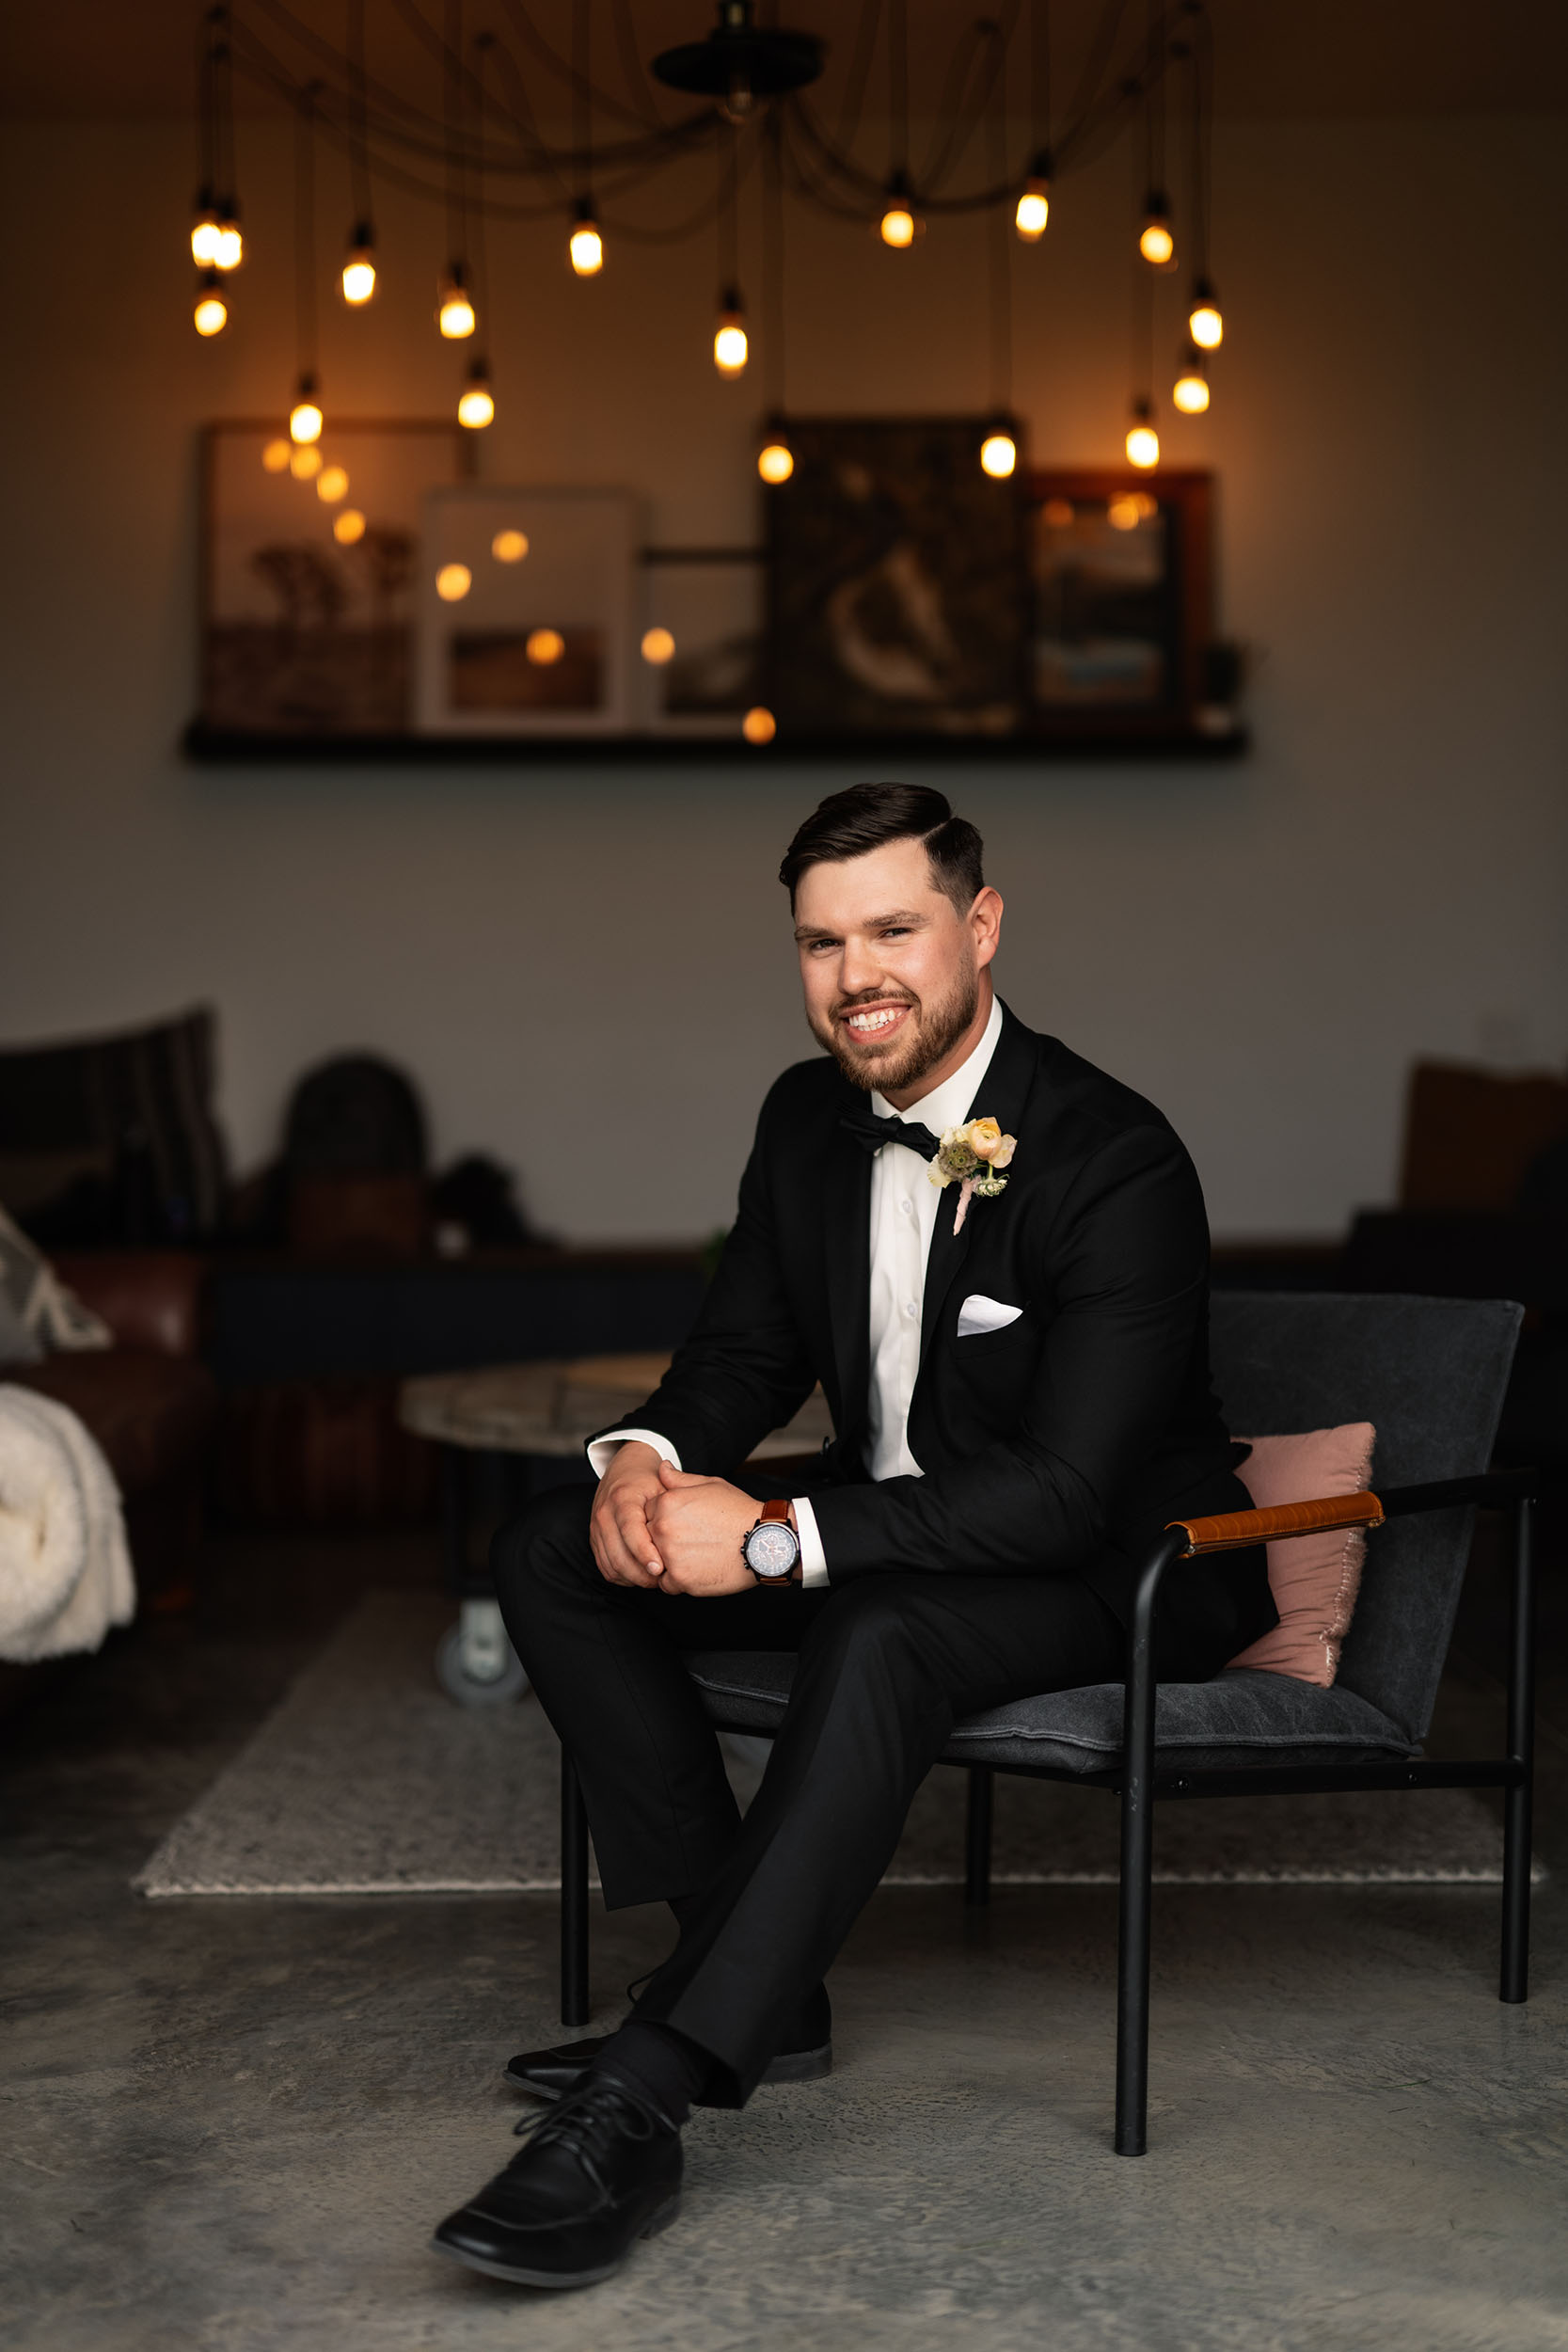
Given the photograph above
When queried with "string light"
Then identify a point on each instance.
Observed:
(759, 725)
(1156, 237)
(332, 485)
(731, 349)
(349, 527)
(659, 646)
(998, 454)
(586, 245)
(1143, 443)
(900, 224)
(229, 243)
(304, 416)
(359, 268)
(544, 645)
(509, 546)
(1190, 393)
(204, 232)
(775, 458)
(1034, 205)
(274, 457)
(452, 582)
(476, 404)
(1204, 322)
(211, 316)
(455, 312)
(305, 462)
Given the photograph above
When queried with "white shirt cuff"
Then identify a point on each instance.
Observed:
(813, 1560)
(599, 1453)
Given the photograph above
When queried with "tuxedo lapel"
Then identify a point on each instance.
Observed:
(1002, 1094)
(846, 1259)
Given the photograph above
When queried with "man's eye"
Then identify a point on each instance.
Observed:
(896, 931)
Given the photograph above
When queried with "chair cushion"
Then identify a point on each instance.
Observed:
(1314, 1579)
(1242, 1717)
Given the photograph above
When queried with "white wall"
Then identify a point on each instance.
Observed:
(1262, 946)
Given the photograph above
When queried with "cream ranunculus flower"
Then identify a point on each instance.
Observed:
(1001, 1157)
(985, 1138)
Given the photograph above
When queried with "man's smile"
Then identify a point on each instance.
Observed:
(868, 1022)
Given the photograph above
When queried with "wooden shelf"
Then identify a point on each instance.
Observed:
(225, 746)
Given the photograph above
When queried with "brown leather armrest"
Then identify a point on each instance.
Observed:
(149, 1299)
(1230, 1529)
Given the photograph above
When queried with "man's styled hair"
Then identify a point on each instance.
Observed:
(869, 815)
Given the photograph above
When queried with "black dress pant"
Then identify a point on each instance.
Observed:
(886, 1664)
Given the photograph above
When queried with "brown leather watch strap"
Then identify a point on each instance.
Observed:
(1228, 1530)
(773, 1513)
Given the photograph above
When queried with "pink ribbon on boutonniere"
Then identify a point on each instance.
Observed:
(972, 1156)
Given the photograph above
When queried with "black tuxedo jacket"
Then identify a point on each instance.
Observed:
(1061, 1444)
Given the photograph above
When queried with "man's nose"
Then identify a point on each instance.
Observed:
(860, 968)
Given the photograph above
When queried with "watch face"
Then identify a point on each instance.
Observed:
(772, 1550)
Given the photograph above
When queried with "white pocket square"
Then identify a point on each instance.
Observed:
(980, 1313)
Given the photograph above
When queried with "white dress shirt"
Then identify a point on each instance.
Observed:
(904, 1205)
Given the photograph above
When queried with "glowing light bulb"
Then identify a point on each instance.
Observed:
(731, 349)
(1156, 239)
(332, 485)
(544, 645)
(1034, 211)
(509, 546)
(586, 245)
(359, 279)
(305, 417)
(759, 725)
(476, 406)
(455, 313)
(452, 582)
(211, 316)
(998, 456)
(274, 457)
(1190, 391)
(775, 461)
(204, 233)
(659, 646)
(1143, 443)
(1123, 514)
(230, 249)
(897, 227)
(305, 462)
(1204, 322)
(348, 527)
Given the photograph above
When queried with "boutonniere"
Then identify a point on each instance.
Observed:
(972, 1158)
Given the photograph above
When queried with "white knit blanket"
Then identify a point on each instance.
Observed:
(65, 1571)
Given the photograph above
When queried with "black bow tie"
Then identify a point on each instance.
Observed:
(866, 1128)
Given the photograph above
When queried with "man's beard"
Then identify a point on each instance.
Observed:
(931, 1031)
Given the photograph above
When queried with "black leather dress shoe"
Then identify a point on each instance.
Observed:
(600, 2170)
(806, 2056)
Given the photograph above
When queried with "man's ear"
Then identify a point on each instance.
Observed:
(984, 917)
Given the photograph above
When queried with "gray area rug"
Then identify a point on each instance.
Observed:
(367, 1780)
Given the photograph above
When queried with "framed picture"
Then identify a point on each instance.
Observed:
(526, 612)
(311, 561)
(702, 638)
(1119, 579)
(898, 583)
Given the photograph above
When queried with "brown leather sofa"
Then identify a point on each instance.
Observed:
(148, 1400)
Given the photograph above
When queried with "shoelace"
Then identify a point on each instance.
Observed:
(585, 2123)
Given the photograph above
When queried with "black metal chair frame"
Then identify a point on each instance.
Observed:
(1140, 1781)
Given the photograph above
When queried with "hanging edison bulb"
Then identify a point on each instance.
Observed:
(731, 349)
(775, 458)
(900, 224)
(1204, 322)
(585, 248)
(1034, 205)
(476, 404)
(204, 232)
(1190, 391)
(1156, 237)
(211, 316)
(229, 243)
(998, 452)
(1143, 443)
(454, 310)
(304, 416)
(359, 279)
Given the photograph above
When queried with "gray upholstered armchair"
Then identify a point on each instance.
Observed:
(1429, 1375)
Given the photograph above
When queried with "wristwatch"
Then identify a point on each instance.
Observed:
(772, 1549)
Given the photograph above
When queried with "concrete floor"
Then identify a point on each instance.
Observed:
(228, 2125)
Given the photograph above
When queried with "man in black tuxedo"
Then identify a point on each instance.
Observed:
(1017, 1375)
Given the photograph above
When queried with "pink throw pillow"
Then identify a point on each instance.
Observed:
(1315, 1579)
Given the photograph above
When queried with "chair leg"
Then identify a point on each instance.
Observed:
(977, 1833)
(573, 1897)
(1137, 1895)
(1514, 1979)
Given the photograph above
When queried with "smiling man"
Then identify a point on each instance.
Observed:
(994, 1259)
